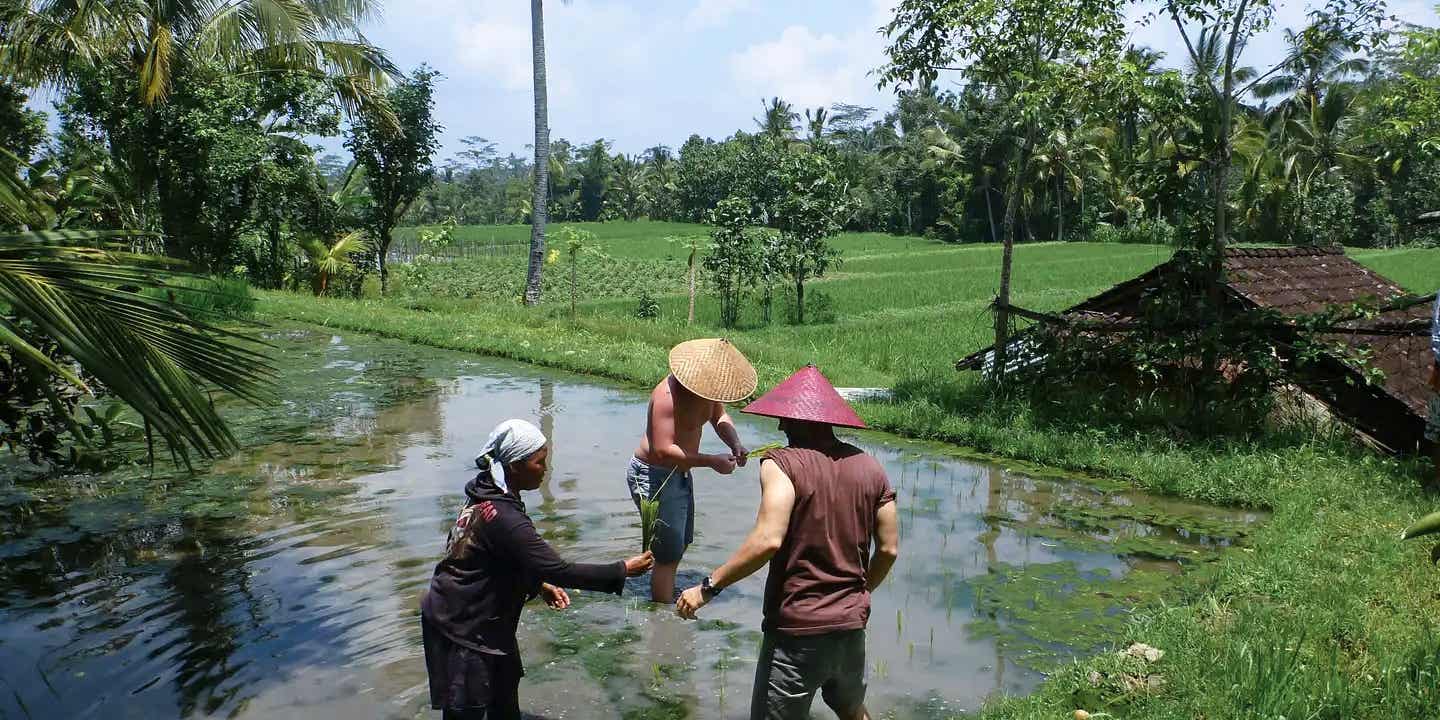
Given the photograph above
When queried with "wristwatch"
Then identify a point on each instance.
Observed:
(707, 589)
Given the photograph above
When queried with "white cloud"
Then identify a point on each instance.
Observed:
(715, 13)
(497, 49)
(809, 69)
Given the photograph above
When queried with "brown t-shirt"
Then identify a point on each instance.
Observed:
(817, 578)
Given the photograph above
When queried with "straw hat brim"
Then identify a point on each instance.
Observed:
(713, 369)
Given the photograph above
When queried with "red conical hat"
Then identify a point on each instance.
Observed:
(807, 396)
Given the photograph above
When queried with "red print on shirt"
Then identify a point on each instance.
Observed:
(488, 511)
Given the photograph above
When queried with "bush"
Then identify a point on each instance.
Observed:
(212, 296)
(819, 308)
(1143, 232)
(648, 308)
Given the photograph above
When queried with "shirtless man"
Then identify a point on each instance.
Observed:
(704, 375)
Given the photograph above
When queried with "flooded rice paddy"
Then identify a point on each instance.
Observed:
(283, 582)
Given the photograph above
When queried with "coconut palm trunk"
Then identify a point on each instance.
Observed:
(538, 210)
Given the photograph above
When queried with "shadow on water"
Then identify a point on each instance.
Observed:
(283, 581)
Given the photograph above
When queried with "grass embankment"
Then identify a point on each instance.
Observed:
(1326, 615)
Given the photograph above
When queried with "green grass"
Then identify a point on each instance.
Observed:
(1326, 616)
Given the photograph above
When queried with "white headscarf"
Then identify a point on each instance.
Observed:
(510, 441)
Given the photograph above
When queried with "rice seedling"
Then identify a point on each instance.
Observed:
(764, 450)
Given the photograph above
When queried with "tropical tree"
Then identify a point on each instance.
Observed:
(397, 158)
(1067, 158)
(57, 44)
(1225, 81)
(1313, 143)
(539, 214)
(1018, 48)
(777, 119)
(327, 261)
(818, 124)
(74, 291)
(808, 213)
(627, 193)
(1317, 59)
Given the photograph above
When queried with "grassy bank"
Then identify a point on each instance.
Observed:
(1326, 615)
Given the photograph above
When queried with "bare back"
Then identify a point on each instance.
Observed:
(676, 417)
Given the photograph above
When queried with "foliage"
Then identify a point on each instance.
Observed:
(577, 243)
(397, 157)
(647, 307)
(151, 45)
(807, 215)
(1144, 232)
(208, 297)
(330, 261)
(730, 257)
(71, 305)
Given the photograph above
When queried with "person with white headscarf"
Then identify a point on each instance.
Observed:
(495, 562)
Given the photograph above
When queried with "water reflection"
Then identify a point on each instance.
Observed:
(283, 582)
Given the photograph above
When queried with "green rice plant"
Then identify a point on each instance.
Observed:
(764, 450)
(650, 520)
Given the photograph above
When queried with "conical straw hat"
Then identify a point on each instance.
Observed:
(713, 369)
(807, 396)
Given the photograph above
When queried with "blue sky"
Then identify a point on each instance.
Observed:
(643, 72)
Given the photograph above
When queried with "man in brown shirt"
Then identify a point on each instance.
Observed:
(829, 529)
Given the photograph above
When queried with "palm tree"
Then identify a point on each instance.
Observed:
(778, 119)
(76, 290)
(627, 186)
(1317, 60)
(818, 124)
(1069, 158)
(539, 210)
(55, 43)
(1314, 142)
(331, 259)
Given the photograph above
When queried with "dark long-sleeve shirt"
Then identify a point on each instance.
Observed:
(494, 564)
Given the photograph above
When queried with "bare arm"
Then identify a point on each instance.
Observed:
(887, 545)
(660, 432)
(777, 499)
(725, 428)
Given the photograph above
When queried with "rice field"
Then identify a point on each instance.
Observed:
(896, 307)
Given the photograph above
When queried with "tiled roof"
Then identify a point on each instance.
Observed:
(1308, 280)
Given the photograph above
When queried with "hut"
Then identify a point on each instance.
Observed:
(1299, 281)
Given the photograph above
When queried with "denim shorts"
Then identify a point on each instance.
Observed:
(791, 669)
(675, 528)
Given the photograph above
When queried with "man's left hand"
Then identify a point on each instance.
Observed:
(555, 597)
(690, 602)
(741, 455)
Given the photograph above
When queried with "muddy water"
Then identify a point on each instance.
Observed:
(283, 582)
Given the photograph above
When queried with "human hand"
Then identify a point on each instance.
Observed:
(741, 454)
(723, 464)
(555, 597)
(640, 564)
(690, 602)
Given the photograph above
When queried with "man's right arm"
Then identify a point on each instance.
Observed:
(887, 545)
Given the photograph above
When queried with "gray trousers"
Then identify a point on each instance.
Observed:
(791, 668)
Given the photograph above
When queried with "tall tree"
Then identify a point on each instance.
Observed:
(57, 44)
(539, 208)
(1034, 53)
(778, 119)
(1232, 24)
(397, 158)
